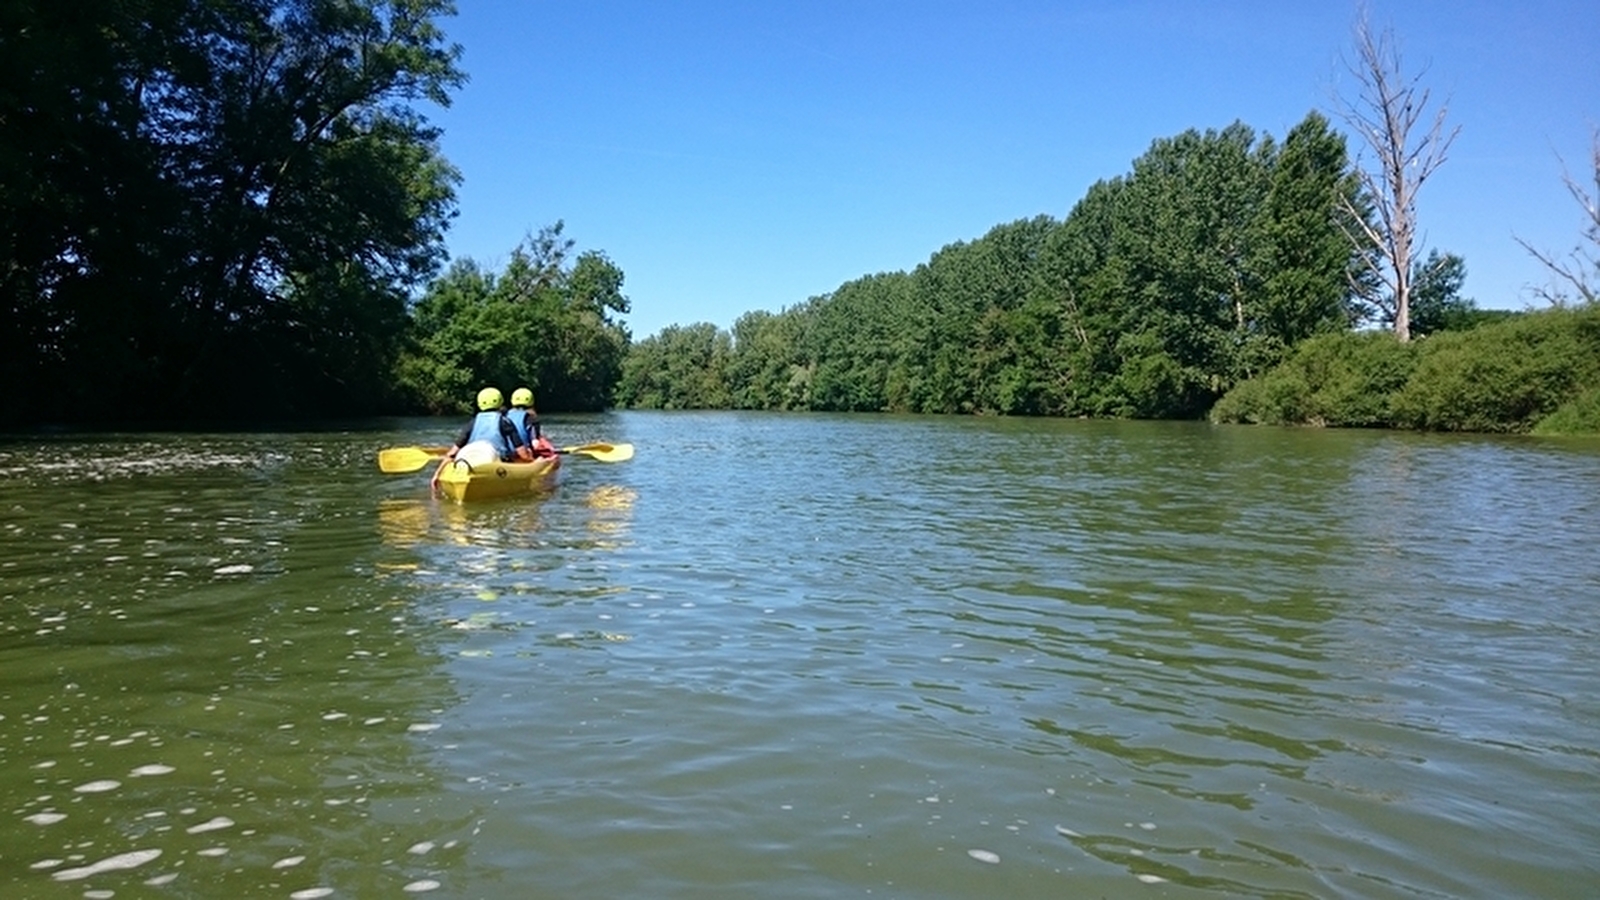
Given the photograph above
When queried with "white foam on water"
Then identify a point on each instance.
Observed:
(312, 893)
(98, 787)
(420, 847)
(985, 856)
(215, 824)
(159, 880)
(153, 769)
(288, 862)
(1151, 879)
(421, 885)
(212, 851)
(422, 727)
(45, 818)
(46, 864)
(130, 860)
(239, 569)
(1064, 831)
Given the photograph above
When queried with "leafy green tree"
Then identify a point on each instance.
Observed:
(1436, 301)
(82, 201)
(243, 197)
(1305, 260)
(681, 367)
(953, 340)
(543, 323)
(855, 340)
(768, 367)
(586, 365)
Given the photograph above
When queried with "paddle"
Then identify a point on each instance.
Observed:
(603, 452)
(410, 459)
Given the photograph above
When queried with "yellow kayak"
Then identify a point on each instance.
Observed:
(461, 481)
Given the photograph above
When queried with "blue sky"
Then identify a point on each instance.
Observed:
(731, 157)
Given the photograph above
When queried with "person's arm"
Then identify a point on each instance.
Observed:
(461, 441)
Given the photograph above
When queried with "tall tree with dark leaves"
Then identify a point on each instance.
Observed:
(1305, 257)
(244, 194)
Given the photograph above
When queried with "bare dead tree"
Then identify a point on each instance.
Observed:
(1578, 271)
(1390, 113)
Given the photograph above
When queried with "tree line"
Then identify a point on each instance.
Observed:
(1227, 275)
(221, 209)
(1158, 292)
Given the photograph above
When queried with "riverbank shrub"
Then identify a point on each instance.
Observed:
(1580, 415)
(1509, 375)
(1341, 380)
(1502, 377)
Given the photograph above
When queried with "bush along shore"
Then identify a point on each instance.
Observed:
(1535, 372)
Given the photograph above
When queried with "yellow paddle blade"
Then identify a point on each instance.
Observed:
(603, 452)
(408, 459)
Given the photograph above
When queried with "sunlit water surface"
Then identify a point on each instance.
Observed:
(804, 656)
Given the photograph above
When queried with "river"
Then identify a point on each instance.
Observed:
(804, 656)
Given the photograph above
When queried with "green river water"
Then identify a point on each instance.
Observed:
(792, 656)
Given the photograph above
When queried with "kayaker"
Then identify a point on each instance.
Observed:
(526, 420)
(492, 427)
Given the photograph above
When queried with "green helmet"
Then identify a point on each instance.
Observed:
(489, 398)
(522, 397)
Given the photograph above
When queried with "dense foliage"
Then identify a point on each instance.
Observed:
(1532, 371)
(1159, 291)
(214, 205)
(545, 323)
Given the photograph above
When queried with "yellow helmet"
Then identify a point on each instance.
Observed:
(489, 398)
(522, 397)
